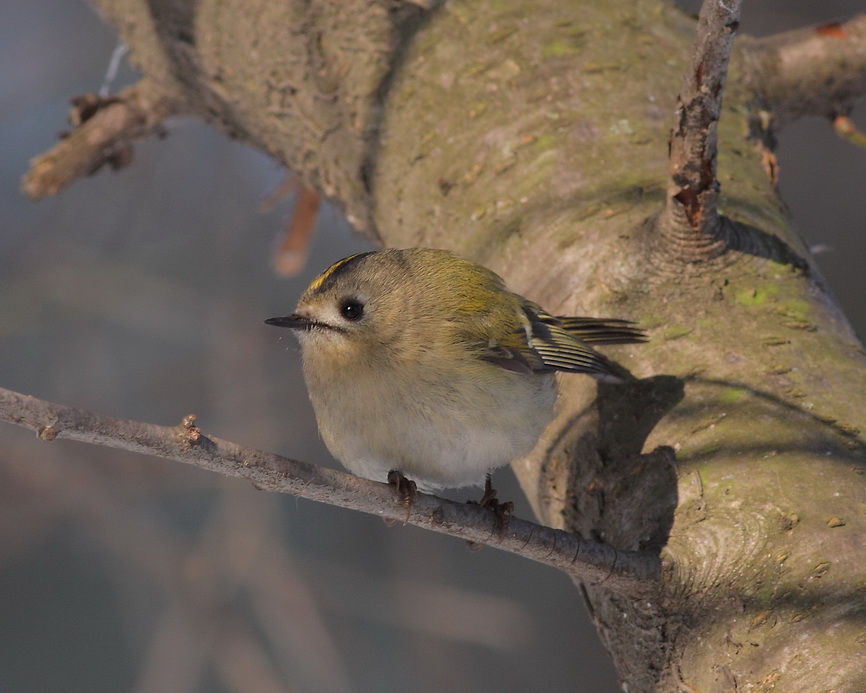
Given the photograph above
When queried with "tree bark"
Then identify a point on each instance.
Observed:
(532, 137)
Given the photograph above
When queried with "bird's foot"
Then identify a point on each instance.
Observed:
(503, 511)
(405, 489)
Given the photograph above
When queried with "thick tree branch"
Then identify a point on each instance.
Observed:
(524, 135)
(690, 227)
(818, 71)
(630, 573)
(104, 130)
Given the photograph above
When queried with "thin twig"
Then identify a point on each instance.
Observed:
(845, 128)
(632, 573)
(690, 226)
(290, 255)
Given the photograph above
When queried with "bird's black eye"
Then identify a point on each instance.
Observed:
(352, 309)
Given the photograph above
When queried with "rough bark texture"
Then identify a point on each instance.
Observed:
(532, 137)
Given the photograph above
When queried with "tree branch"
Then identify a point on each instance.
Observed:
(818, 71)
(690, 228)
(845, 128)
(631, 573)
(103, 132)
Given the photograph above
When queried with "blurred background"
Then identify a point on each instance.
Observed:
(142, 294)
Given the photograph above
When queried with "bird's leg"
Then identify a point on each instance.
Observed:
(404, 488)
(503, 511)
(489, 496)
(489, 500)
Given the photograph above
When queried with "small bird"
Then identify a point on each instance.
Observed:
(423, 364)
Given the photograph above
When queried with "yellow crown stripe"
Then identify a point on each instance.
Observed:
(318, 281)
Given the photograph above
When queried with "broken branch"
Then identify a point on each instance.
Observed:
(103, 131)
(690, 227)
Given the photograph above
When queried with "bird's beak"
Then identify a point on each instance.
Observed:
(293, 322)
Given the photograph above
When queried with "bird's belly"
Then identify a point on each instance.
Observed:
(439, 438)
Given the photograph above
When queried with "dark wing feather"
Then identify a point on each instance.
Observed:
(544, 343)
(561, 343)
(602, 330)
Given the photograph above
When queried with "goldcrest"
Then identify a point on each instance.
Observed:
(424, 363)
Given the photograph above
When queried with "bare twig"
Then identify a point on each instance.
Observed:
(818, 71)
(689, 226)
(845, 128)
(104, 129)
(632, 573)
(291, 254)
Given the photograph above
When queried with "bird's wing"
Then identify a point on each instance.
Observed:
(543, 343)
(561, 350)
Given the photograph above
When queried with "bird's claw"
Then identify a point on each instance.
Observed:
(405, 489)
(503, 511)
